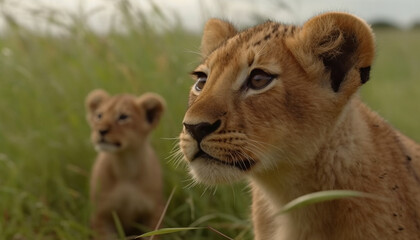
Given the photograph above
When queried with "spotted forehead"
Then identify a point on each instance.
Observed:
(119, 103)
(262, 33)
(254, 38)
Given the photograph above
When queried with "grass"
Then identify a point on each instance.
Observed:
(45, 153)
(394, 88)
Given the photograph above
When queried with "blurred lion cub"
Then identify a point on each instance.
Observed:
(126, 177)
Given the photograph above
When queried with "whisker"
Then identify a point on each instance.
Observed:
(197, 52)
(260, 146)
(264, 143)
(266, 146)
(243, 156)
(175, 148)
(192, 183)
(214, 191)
(167, 138)
(233, 193)
(205, 190)
(175, 156)
(175, 144)
(259, 150)
(176, 161)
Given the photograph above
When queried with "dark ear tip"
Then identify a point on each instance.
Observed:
(364, 74)
(153, 114)
(150, 115)
(154, 105)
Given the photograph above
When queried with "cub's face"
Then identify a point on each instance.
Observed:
(265, 98)
(121, 122)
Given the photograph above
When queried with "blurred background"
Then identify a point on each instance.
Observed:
(52, 53)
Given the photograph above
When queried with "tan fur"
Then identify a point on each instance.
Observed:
(216, 31)
(126, 177)
(304, 132)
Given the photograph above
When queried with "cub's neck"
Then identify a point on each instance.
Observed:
(339, 163)
(126, 164)
(341, 151)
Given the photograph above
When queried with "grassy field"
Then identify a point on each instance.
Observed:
(45, 153)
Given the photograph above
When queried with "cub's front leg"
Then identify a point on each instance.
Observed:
(102, 225)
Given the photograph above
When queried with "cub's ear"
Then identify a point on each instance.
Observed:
(215, 32)
(153, 105)
(337, 43)
(94, 100)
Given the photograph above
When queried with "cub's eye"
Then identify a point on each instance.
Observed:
(122, 117)
(258, 79)
(201, 80)
(99, 116)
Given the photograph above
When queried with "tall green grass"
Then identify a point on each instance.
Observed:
(45, 153)
(394, 88)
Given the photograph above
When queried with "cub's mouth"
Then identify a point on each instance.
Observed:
(103, 141)
(243, 164)
(103, 145)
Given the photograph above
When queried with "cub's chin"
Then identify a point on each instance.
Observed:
(107, 147)
(212, 171)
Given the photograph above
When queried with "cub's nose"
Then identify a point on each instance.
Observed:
(103, 132)
(201, 130)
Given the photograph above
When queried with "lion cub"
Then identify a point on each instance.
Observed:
(278, 105)
(126, 177)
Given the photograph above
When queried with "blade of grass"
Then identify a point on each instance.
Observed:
(163, 231)
(220, 233)
(322, 196)
(164, 211)
(118, 225)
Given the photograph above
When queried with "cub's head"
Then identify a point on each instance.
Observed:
(266, 97)
(122, 122)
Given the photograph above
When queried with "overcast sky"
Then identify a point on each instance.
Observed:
(401, 12)
(194, 13)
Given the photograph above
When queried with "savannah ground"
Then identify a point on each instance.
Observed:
(45, 153)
